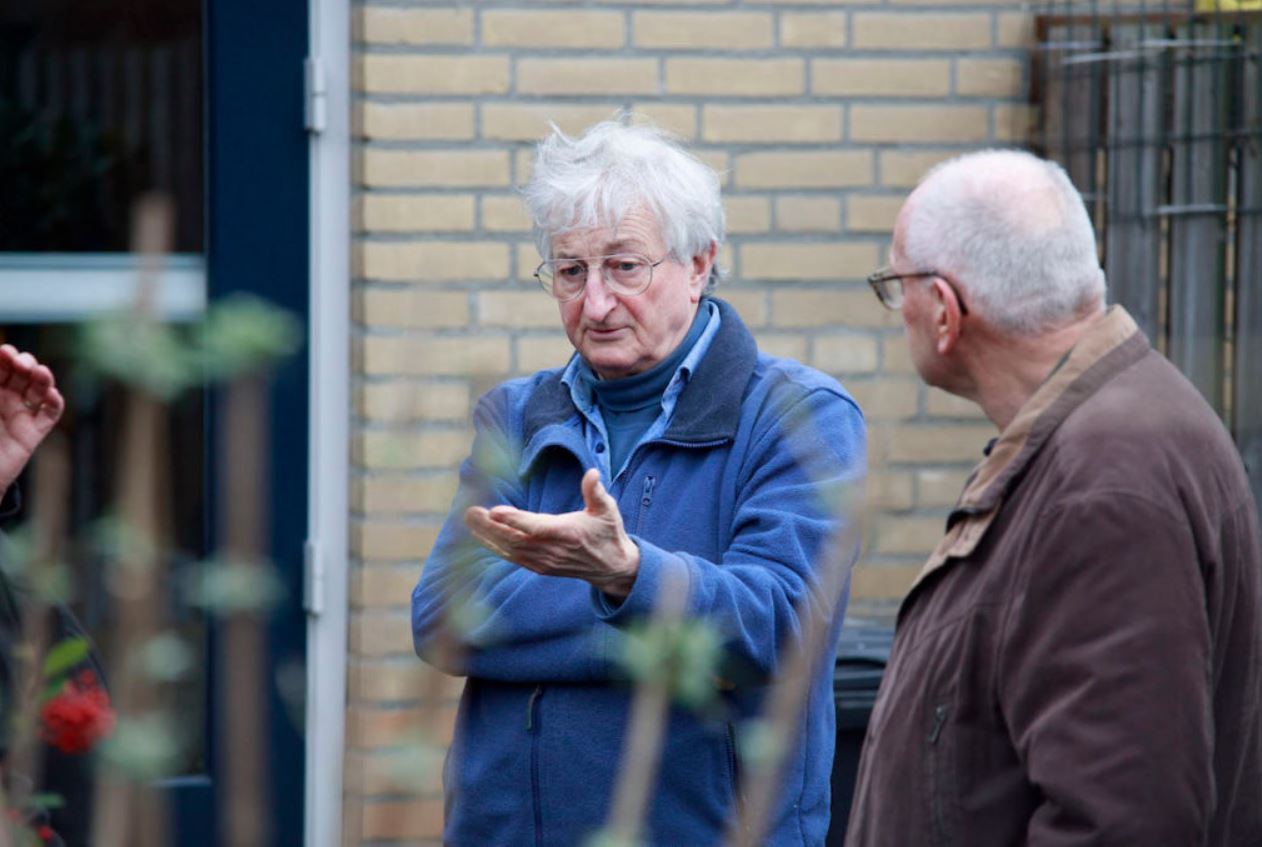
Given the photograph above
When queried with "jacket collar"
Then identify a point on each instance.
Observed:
(708, 409)
(1111, 344)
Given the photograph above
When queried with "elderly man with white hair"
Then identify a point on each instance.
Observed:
(668, 452)
(1080, 659)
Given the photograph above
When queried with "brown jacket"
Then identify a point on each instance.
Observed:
(1080, 661)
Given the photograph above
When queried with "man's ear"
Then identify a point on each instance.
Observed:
(702, 263)
(947, 319)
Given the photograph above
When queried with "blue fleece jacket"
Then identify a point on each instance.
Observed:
(734, 499)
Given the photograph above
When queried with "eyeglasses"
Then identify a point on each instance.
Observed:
(887, 284)
(626, 274)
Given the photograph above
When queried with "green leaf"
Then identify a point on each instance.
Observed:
(45, 801)
(64, 656)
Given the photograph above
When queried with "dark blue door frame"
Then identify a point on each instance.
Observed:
(257, 190)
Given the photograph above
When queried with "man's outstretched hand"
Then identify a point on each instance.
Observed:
(30, 405)
(590, 545)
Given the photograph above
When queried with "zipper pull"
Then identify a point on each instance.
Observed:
(647, 496)
(939, 718)
(530, 707)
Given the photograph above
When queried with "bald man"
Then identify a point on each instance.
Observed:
(1079, 660)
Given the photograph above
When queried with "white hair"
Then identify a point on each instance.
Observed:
(614, 169)
(1014, 233)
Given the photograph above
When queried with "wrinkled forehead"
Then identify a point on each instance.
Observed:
(636, 231)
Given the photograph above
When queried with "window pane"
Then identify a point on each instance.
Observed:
(100, 102)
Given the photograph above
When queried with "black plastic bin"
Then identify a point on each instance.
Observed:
(862, 653)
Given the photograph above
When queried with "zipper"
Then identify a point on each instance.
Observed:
(937, 779)
(734, 766)
(532, 729)
(939, 718)
(646, 499)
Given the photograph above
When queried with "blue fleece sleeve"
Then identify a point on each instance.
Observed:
(475, 614)
(798, 488)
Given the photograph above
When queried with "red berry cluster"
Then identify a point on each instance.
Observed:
(79, 716)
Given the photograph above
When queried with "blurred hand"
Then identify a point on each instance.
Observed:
(30, 405)
(590, 545)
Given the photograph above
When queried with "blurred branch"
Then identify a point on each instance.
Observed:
(775, 732)
(649, 714)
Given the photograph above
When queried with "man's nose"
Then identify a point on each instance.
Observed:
(598, 300)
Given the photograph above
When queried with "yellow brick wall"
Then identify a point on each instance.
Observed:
(819, 116)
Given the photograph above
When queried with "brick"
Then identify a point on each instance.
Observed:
(402, 819)
(387, 540)
(832, 169)
(896, 355)
(882, 581)
(747, 214)
(447, 356)
(918, 31)
(782, 344)
(1014, 29)
(410, 401)
(680, 119)
(416, 212)
(382, 586)
(688, 30)
(464, 74)
(1014, 123)
(718, 161)
(383, 495)
(411, 767)
(845, 354)
(827, 307)
(771, 123)
(536, 352)
(504, 214)
(807, 30)
(905, 168)
(779, 261)
(940, 404)
(538, 28)
(908, 535)
(523, 165)
(435, 168)
(412, 308)
(808, 214)
(434, 261)
(735, 77)
(587, 76)
(527, 260)
(531, 121)
(881, 77)
(402, 450)
(990, 77)
(872, 213)
(381, 634)
(939, 487)
(416, 121)
(404, 680)
(750, 305)
(533, 309)
(369, 726)
(379, 25)
(886, 398)
(959, 443)
(889, 491)
(871, 123)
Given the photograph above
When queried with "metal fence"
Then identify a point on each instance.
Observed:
(1155, 113)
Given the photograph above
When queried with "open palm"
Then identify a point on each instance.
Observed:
(30, 405)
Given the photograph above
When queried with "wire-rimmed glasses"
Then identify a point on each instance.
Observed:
(887, 284)
(626, 274)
